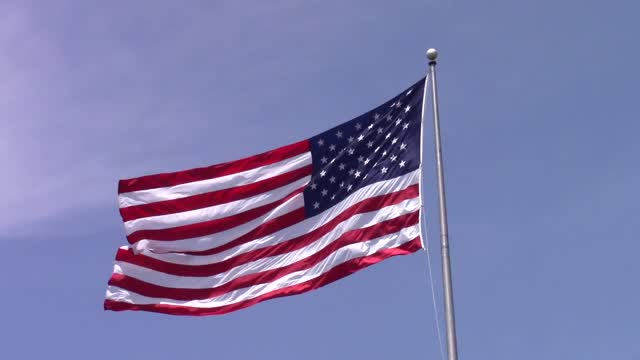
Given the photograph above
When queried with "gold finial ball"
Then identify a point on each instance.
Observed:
(432, 54)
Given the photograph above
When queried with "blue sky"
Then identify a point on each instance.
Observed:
(539, 116)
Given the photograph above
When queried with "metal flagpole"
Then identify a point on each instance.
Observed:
(452, 346)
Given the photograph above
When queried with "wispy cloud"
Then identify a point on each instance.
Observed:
(66, 116)
(89, 95)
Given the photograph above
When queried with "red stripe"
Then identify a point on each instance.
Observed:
(208, 227)
(336, 273)
(264, 229)
(203, 173)
(213, 198)
(214, 226)
(353, 236)
(284, 221)
(357, 236)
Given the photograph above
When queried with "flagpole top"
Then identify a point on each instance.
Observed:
(432, 54)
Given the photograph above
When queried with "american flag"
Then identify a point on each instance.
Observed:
(221, 238)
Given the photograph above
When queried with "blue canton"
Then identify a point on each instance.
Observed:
(381, 144)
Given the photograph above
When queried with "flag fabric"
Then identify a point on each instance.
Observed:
(216, 239)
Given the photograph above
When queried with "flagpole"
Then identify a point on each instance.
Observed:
(450, 321)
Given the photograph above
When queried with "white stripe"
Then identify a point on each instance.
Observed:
(213, 212)
(223, 182)
(355, 222)
(224, 237)
(338, 257)
(259, 265)
(220, 238)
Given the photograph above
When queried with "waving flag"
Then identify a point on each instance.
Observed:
(220, 238)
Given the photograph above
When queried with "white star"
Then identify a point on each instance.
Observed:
(360, 137)
(380, 130)
(393, 158)
(351, 151)
(332, 160)
(324, 160)
(350, 138)
(370, 127)
(405, 126)
(341, 166)
(361, 158)
(384, 153)
(320, 142)
(370, 144)
(403, 146)
(339, 134)
(349, 187)
(358, 126)
(376, 164)
(409, 92)
(384, 170)
(357, 174)
(316, 205)
(398, 104)
(393, 105)
(332, 147)
(376, 150)
(351, 171)
(395, 140)
(398, 122)
(401, 163)
(407, 109)
(333, 197)
(342, 184)
(389, 118)
(323, 173)
(365, 176)
(388, 136)
(332, 179)
(324, 192)
(376, 116)
(313, 186)
(366, 161)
